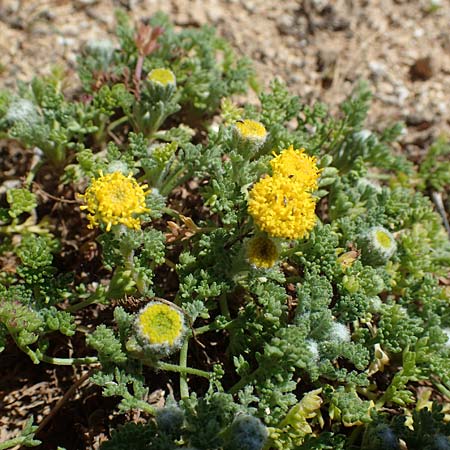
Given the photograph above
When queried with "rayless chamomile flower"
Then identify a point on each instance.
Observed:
(377, 246)
(160, 328)
(164, 77)
(298, 166)
(249, 130)
(282, 208)
(114, 199)
(262, 251)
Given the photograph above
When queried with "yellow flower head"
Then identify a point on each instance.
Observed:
(282, 208)
(164, 77)
(114, 199)
(383, 239)
(262, 252)
(251, 130)
(296, 164)
(160, 324)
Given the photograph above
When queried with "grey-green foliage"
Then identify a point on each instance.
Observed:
(206, 418)
(201, 79)
(429, 431)
(57, 320)
(397, 329)
(347, 406)
(35, 251)
(137, 435)
(108, 347)
(128, 384)
(22, 322)
(43, 118)
(434, 169)
(318, 319)
(20, 201)
(26, 438)
(322, 335)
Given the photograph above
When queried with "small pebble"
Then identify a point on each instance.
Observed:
(422, 69)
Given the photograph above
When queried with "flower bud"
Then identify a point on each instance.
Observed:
(246, 433)
(262, 252)
(160, 328)
(163, 77)
(377, 246)
(170, 419)
(248, 130)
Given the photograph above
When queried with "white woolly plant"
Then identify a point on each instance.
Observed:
(22, 110)
(246, 433)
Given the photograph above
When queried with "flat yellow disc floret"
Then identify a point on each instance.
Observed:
(299, 166)
(281, 207)
(251, 130)
(162, 76)
(160, 323)
(114, 199)
(383, 239)
(262, 252)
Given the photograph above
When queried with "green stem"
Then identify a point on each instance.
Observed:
(27, 226)
(445, 391)
(176, 368)
(32, 173)
(211, 327)
(354, 436)
(244, 381)
(117, 122)
(87, 302)
(224, 306)
(171, 212)
(184, 388)
(68, 361)
(173, 181)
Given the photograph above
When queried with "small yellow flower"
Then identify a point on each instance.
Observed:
(262, 252)
(384, 239)
(282, 208)
(251, 130)
(114, 199)
(162, 76)
(160, 324)
(296, 164)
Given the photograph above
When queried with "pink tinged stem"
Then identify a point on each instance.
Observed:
(138, 70)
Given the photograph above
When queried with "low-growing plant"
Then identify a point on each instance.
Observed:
(282, 269)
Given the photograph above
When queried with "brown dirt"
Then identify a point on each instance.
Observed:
(319, 47)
